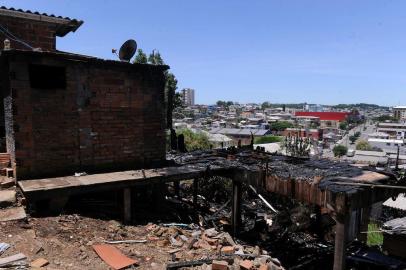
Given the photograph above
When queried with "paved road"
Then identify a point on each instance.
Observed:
(328, 153)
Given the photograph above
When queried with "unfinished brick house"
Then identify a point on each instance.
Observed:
(66, 113)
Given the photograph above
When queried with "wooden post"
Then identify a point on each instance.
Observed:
(342, 224)
(127, 205)
(236, 208)
(195, 191)
(176, 186)
(364, 221)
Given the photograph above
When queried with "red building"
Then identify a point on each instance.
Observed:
(327, 119)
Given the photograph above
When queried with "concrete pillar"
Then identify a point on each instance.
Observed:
(127, 205)
(236, 207)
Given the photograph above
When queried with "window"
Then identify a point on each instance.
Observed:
(47, 77)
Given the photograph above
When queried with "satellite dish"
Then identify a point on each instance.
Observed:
(127, 50)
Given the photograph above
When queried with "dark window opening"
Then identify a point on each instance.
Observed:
(47, 77)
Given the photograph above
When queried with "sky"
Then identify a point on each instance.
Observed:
(281, 51)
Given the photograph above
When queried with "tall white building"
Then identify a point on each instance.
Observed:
(188, 96)
(399, 112)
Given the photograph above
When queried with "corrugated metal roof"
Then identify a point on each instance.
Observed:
(238, 131)
(328, 116)
(399, 203)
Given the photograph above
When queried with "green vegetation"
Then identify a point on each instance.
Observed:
(344, 125)
(340, 150)
(363, 145)
(265, 105)
(353, 138)
(296, 146)
(280, 125)
(363, 106)
(224, 104)
(268, 139)
(375, 237)
(194, 141)
(384, 118)
(141, 57)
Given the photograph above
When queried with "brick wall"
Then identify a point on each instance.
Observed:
(109, 117)
(35, 33)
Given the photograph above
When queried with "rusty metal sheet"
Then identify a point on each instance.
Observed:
(113, 256)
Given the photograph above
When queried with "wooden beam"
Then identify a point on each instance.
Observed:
(236, 207)
(195, 191)
(342, 225)
(127, 205)
(176, 186)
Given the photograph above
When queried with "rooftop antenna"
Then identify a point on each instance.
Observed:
(127, 50)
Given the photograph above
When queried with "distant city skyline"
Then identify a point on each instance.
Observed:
(318, 51)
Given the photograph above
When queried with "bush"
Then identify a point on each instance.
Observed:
(363, 145)
(340, 150)
(194, 141)
(267, 139)
(357, 134)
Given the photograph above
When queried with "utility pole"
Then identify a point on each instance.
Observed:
(397, 159)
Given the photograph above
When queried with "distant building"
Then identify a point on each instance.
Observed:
(399, 112)
(388, 145)
(327, 119)
(303, 133)
(241, 134)
(395, 130)
(188, 96)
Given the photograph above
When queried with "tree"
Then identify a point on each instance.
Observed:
(194, 140)
(265, 105)
(229, 103)
(353, 138)
(340, 150)
(363, 145)
(280, 125)
(155, 58)
(221, 103)
(343, 125)
(141, 57)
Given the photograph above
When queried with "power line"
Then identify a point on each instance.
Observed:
(14, 38)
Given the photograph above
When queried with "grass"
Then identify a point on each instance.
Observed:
(375, 238)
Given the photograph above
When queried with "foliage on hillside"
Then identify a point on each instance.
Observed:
(194, 140)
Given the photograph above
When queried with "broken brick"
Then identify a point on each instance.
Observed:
(227, 250)
(219, 265)
(246, 265)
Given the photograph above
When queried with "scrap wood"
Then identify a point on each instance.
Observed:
(12, 259)
(263, 199)
(126, 241)
(113, 256)
(39, 263)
